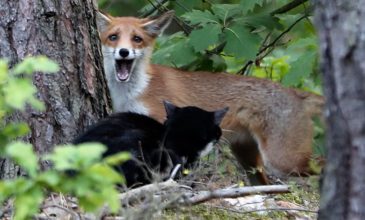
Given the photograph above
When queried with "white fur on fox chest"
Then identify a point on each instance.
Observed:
(124, 95)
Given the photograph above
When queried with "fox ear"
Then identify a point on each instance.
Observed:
(156, 26)
(102, 20)
(219, 115)
(169, 107)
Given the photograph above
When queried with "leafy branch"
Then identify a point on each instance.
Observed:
(260, 55)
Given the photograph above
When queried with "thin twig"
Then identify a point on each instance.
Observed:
(181, 5)
(154, 8)
(288, 7)
(273, 43)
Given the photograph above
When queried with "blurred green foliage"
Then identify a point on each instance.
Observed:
(95, 179)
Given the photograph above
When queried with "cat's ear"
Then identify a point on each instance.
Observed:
(156, 26)
(102, 20)
(219, 115)
(169, 107)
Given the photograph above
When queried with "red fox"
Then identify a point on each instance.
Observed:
(267, 125)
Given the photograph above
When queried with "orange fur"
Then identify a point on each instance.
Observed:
(267, 125)
(259, 110)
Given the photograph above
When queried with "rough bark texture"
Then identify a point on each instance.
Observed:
(341, 27)
(65, 31)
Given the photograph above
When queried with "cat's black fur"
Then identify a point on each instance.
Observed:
(185, 133)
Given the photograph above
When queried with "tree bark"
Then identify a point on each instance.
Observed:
(65, 31)
(341, 28)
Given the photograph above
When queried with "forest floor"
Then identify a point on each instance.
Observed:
(301, 203)
(218, 171)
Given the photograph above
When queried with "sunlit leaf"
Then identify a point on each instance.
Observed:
(118, 158)
(300, 69)
(38, 63)
(14, 130)
(106, 174)
(18, 91)
(27, 203)
(23, 154)
(73, 157)
(50, 178)
(3, 70)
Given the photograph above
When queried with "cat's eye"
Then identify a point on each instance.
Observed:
(137, 39)
(113, 37)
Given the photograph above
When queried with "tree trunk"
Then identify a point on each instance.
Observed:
(65, 31)
(341, 27)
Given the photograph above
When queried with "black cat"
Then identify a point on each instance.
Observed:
(184, 135)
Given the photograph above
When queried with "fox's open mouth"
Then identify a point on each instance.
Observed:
(123, 69)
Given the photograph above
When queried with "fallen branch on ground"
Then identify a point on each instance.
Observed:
(137, 194)
(191, 198)
(203, 196)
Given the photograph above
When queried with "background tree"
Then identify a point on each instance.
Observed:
(341, 28)
(65, 31)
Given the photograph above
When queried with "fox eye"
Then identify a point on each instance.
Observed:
(137, 39)
(113, 37)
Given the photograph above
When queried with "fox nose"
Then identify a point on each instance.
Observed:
(123, 52)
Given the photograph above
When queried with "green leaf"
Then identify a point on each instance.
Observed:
(178, 55)
(202, 38)
(118, 158)
(105, 174)
(38, 63)
(63, 157)
(304, 44)
(261, 20)
(226, 11)
(273, 68)
(23, 154)
(3, 70)
(18, 92)
(111, 195)
(200, 17)
(219, 64)
(188, 6)
(27, 204)
(92, 201)
(249, 5)
(49, 178)
(94, 152)
(240, 42)
(76, 157)
(300, 69)
(14, 130)
(7, 189)
(37, 104)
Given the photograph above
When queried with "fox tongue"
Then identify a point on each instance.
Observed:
(123, 72)
(123, 68)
